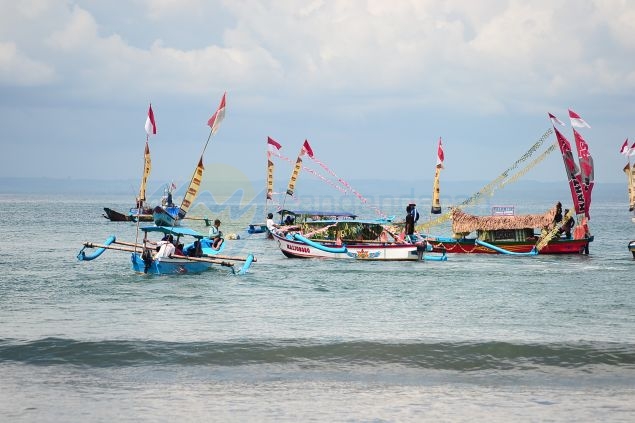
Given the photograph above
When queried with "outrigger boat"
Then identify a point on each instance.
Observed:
(528, 234)
(195, 257)
(334, 235)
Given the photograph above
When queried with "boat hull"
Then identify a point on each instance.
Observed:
(133, 216)
(373, 252)
(165, 217)
(168, 266)
(115, 216)
(469, 246)
(631, 248)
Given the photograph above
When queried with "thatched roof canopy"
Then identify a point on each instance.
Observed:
(463, 223)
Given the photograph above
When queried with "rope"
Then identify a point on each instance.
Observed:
(497, 183)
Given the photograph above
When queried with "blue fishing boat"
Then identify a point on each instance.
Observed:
(170, 255)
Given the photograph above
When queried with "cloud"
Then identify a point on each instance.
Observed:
(18, 69)
(454, 54)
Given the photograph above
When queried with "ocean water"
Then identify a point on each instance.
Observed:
(477, 338)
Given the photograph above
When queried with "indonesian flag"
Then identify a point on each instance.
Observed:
(151, 125)
(440, 156)
(306, 148)
(625, 150)
(273, 143)
(577, 121)
(631, 151)
(217, 118)
(555, 120)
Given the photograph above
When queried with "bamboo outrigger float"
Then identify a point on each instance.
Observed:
(194, 257)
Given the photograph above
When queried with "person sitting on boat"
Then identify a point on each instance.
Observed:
(166, 248)
(179, 250)
(215, 234)
(271, 226)
(289, 220)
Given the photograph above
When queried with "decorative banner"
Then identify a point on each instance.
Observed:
(192, 190)
(144, 180)
(630, 175)
(269, 179)
(272, 145)
(306, 149)
(573, 174)
(586, 169)
(436, 202)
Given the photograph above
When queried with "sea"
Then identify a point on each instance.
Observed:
(491, 338)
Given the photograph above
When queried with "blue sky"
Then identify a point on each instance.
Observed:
(371, 84)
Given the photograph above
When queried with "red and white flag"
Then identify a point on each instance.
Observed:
(217, 118)
(577, 121)
(306, 148)
(625, 150)
(273, 143)
(151, 125)
(440, 155)
(555, 120)
(631, 151)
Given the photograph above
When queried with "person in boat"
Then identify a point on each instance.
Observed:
(271, 226)
(289, 220)
(166, 247)
(558, 216)
(412, 217)
(568, 225)
(179, 250)
(215, 234)
(195, 250)
(170, 203)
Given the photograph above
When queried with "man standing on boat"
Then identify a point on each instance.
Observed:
(412, 217)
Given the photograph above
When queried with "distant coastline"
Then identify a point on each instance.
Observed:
(533, 190)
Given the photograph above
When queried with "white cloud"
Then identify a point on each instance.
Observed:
(18, 69)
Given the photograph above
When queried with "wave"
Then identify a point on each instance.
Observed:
(459, 356)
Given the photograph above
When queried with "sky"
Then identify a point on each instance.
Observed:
(372, 85)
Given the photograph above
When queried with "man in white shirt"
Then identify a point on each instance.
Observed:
(166, 248)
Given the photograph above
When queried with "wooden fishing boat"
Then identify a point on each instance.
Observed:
(149, 258)
(336, 235)
(511, 234)
(132, 216)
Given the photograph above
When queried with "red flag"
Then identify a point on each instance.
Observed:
(555, 120)
(151, 126)
(274, 143)
(217, 118)
(440, 155)
(624, 150)
(307, 148)
(577, 121)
